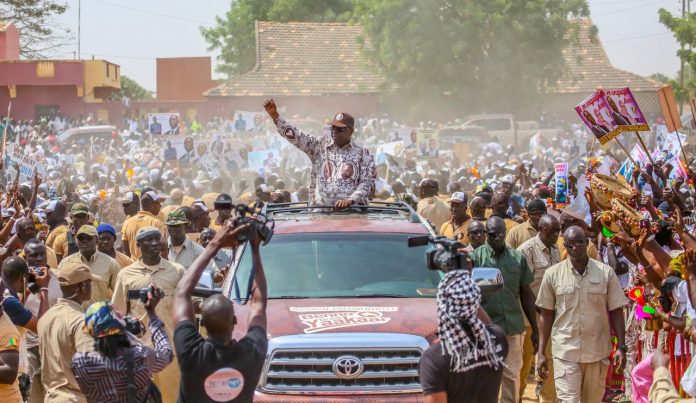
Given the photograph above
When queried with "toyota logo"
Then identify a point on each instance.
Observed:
(348, 367)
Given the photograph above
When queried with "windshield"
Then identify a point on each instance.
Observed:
(343, 265)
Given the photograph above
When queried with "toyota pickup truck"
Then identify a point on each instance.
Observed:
(351, 307)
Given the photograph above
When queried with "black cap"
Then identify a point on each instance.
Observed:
(223, 201)
(343, 120)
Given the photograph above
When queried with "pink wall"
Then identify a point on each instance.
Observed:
(24, 73)
(9, 43)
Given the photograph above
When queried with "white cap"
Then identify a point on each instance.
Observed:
(154, 196)
(48, 206)
(458, 197)
(127, 198)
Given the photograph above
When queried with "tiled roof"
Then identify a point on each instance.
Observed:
(588, 67)
(299, 58)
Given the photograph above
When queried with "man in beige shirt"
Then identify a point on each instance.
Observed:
(541, 253)
(147, 217)
(152, 269)
(107, 239)
(432, 207)
(61, 336)
(574, 297)
(528, 229)
(104, 267)
(79, 213)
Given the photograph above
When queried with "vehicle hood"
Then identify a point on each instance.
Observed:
(416, 316)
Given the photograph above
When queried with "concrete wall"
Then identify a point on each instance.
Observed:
(183, 78)
(9, 43)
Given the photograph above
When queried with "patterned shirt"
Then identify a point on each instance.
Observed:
(105, 380)
(338, 173)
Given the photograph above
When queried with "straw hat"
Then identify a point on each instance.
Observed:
(607, 188)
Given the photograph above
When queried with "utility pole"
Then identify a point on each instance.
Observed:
(79, 25)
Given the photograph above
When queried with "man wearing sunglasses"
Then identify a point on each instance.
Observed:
(574, 297)
(343, 173)
(505, 307)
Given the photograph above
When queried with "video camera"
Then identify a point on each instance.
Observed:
(445, 258)
(260, 225)
(141, 294)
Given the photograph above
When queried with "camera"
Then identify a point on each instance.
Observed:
(446, 257)
(141, 294)
(134, 326)
(260, 225)
(31, 279)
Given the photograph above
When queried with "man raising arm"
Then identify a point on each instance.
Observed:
(206, 359)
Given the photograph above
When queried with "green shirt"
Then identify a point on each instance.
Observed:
(504, 306)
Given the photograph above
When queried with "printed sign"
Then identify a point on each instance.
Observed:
(180, 148)
(625, 111)
(266, 159)
(561, 169)
(224, 384)
(428, 143)
(247, 121)
(163, 123)
(319, 319)
(597, 116)
(639, 156)
(27, 166)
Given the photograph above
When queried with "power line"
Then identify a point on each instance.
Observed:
(628, 38)
(156, 14)
(629, 8)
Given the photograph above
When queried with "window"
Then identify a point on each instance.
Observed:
(342, 265)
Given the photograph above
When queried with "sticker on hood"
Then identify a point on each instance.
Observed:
(322, 318)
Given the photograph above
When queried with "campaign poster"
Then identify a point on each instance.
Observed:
(561, 170)
(163, 123)
(267, 159)
(671, 144)
(597, 116)
(27, 165)
(639, 156)
(625, 110)
(180, 148)
(678, 170)
(427, 143)
(248, 121)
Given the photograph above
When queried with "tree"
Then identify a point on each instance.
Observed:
(684, 30)
(132, 90)
(448, 57)
(35, 22)
(234, 34)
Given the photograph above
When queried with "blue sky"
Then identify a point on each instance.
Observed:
(133, 33)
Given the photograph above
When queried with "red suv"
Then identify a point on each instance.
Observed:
(351, 307)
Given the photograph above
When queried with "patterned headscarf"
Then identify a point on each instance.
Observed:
(458, 300)
(102, 320)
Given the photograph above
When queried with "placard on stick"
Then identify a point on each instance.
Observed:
(669, 108)
(598, 117)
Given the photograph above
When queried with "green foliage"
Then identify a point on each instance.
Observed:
(34, 20)
(234, 34)
(660, 77)
(134, 91)
(684, 30)
(451, 57)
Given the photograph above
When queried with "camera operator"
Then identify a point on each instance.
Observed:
(16, 279)
(218, 357)
(151, 268)
(119, 361)
(467, 363)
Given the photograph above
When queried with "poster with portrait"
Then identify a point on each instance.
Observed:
(625, 110)
(163, 123)
(269, 159)
(561, 180)
(179, 148)
(248, 121)
(639, 156)
(597, 116)
(427, 143)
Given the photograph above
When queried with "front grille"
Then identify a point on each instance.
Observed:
(310, 370)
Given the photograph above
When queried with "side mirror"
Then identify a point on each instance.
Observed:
(489, 279)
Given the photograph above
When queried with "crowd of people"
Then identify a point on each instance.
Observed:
(109, 240)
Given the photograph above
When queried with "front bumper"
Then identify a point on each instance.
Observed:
(260, 397)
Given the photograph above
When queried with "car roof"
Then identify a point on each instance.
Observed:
(379, 217)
